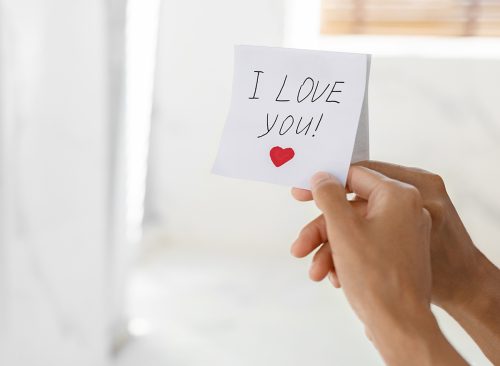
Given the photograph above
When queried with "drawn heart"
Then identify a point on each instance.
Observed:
(280, 156)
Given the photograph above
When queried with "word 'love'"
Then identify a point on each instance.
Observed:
(308, 88)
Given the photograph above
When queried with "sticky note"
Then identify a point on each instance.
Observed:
(293, 113)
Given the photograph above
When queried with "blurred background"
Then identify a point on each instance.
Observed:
(117, 245)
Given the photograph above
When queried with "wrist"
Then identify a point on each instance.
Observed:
(413, 340)
(479, 292)
(458, 265)
(397, 337)
(479, 314)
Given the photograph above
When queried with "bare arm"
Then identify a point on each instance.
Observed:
(382, 260)
(417, 341)
(464, 282)
(479, 311)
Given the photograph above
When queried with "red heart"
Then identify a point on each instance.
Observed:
(280, 156)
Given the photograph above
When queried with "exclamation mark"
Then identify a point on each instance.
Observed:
(317, 126)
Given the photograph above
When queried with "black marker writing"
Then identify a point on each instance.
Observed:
(317, 126)
(334, 91)
(279, 94)
(316, 89)
(312, 88)
(306, 128)
(303, 93)
(256, 84)
(267, 124)
(287, 124)
(300, 89)
(292, 121)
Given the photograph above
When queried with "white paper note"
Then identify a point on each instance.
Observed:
(293, 113)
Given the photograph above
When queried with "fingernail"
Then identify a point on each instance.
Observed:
(319, 177)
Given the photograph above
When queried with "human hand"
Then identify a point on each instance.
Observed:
(382, 259)
(455, 261)
(380, 248)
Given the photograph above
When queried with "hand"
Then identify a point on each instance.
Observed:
(383, 251)
(455, 260)
(382, 259)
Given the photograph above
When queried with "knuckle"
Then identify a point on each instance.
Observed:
(437, 182)
(411, 196)
(388, 186)
(436, 209)
(400, 193)
(430, 179)
(413, 193)
(389, 191)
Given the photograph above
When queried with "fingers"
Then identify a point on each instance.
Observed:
(310, 237)
(389, 169)
(322, 263)
(365, 182)
(314, 233)
(302, 194)
(329, 195)
(334, 279)
(429, 184)
(394, 171)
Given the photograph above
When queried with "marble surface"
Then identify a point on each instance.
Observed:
(213, 308)
(56, 167)
(442, 114)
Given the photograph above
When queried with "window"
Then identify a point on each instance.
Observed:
(411, 17)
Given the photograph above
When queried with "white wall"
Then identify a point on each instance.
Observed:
(439, 113)
(442, 115)
(58, 131)
(193, 86)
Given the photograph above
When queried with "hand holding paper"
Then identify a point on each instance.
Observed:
(293, 113)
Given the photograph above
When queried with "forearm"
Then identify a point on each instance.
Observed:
(479, 314)
(416, 340)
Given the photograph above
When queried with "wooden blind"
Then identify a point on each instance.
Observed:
(411, 17)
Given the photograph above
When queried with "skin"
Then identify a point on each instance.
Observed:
(464, 282)
(382, 258)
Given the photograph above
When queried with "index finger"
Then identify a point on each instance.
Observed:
(399, 172)
(364, 181)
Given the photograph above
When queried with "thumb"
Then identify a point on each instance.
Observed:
(329, 195)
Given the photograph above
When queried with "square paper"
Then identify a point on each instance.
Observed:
(294, 113)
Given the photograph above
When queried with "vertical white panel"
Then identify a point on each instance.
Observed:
(58, 157)
(3, 194)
